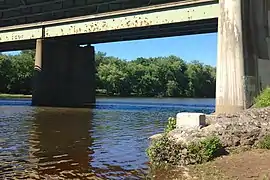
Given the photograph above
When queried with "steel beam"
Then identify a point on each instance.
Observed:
(20, 35)
(133, 21)
(145, 17)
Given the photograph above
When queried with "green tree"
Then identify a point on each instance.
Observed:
(156, 76)
(5, 73)
(23, 69)
(114, 76)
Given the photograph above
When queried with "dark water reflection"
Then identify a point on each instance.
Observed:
(107, 142)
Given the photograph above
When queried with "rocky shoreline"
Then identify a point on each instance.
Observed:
(244, 129)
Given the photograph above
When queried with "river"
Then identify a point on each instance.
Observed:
(107, 142)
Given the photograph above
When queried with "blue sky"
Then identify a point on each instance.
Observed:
(201, 47)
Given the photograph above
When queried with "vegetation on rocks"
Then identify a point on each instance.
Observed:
(165, 151)
(263, 100)
(237, 132)
(265, 142)
(171, 124)
(205, 149)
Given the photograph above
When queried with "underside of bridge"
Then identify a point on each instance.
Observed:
(14, 12)
(174, 29)
(22, 22)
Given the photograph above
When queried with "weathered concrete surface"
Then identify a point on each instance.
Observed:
(185, 119)
(237, 64)
(64, 75)
(230, 62)
(264, 72)
(263, 43)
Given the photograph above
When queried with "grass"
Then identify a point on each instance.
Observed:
(265, 142)
(15, 96)
(263, 100)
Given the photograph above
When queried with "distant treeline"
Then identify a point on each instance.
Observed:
(160, 76)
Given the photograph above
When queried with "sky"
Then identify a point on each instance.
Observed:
(202, 47)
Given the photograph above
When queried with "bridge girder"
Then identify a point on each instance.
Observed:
(148, 22)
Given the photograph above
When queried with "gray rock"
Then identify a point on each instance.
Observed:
(240, 130)
(245, 128)
(156, 136)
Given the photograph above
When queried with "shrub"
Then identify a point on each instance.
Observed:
(265, 142)
(204, 150)
(263, 100)
(171, 125)
(165, 151)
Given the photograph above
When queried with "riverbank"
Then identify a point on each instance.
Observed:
(242, 135)
(248, 165)
(15, 96)
(23, 96)
(101, 94)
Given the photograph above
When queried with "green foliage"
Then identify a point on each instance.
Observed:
(172, 89)
(171, 124)
(265, 142)
(164, 151)
(5, 73)
(16, 73)
(204, 150)
(161, 76)
(263, 100)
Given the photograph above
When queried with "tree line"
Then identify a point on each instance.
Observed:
(152, 77)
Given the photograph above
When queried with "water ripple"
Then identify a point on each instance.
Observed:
(107, 142)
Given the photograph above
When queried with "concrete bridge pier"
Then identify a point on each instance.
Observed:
(238, 53)
(64, 74)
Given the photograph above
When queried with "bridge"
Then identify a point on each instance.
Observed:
(65, 71)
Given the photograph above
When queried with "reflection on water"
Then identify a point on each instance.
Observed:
(108, 142)
(60, 141)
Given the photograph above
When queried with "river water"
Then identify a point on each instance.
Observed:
(107, 142)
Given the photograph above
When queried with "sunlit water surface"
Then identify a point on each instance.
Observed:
(107, 142)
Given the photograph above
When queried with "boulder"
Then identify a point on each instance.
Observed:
(245, 128)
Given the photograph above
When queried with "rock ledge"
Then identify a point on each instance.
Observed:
(241, 129)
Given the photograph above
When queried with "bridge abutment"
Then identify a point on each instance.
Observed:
(64, 74)
(237, 65)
